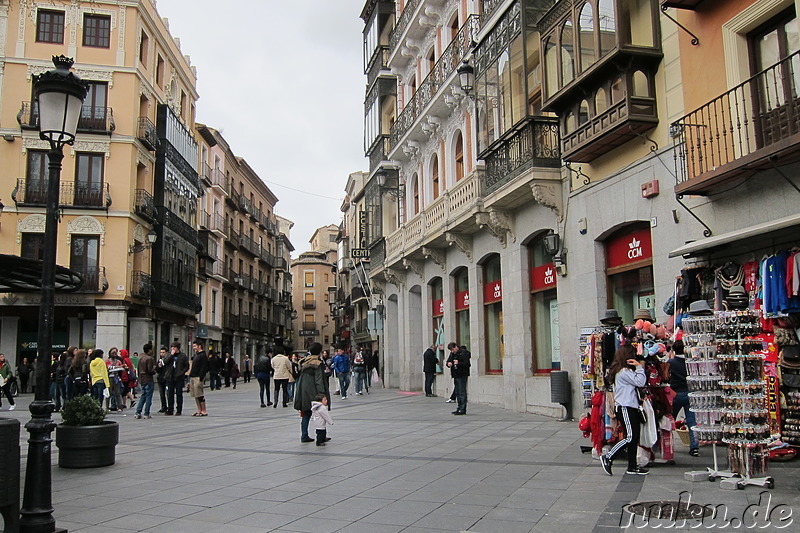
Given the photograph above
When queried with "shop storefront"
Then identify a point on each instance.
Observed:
(544, 311)
(461, 279)
(629, 271)
(493, 314)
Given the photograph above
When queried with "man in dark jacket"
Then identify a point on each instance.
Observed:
(429, 361)
(145, 372)
(214, 367)
(197, 375)
(161, 370)
(176, 364)
(311, 382)
(227, 368)
(263, 370)
(459, 364)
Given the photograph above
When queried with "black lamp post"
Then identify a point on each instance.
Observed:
(59, 95)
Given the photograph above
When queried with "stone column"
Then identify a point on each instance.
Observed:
(142, 331)
(9, 341)
(516, 329)
(112, 325)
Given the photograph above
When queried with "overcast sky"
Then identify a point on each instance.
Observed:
(283, 81)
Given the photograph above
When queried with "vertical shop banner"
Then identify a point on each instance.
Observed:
(362, 229)
(555, 340)
(462, 300)
(630, 248)
(437, 308)
(493, 292)
(543, 277)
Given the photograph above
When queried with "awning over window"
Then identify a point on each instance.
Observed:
(18, 274)
(781, 231)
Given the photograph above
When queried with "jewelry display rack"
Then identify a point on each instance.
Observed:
(705, 397)
(745, 422)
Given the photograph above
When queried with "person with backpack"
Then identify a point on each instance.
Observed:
(359, 372)
(341, 364)
(263, 369)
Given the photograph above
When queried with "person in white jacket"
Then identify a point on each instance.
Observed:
(627, 374)
(322, 418)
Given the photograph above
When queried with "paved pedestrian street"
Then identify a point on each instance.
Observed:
(396, 462)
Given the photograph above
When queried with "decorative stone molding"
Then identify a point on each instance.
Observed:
(462, 242)
(34, 143)
(30, 224)
(86, 74)
(432, 16)
(395, 278)
(415, 266)
(139, 234)
(497, 223)
(435, 255)
(86, 225)
(92, 146)
(431, 125)
(549, 194)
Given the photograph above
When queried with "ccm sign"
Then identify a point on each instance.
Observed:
(630, 248)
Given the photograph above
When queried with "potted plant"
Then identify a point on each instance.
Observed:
(84, 439)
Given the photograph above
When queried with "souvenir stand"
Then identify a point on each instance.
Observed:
(594, 345)
(705, 396)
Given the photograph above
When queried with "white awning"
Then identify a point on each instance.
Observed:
(717, 241)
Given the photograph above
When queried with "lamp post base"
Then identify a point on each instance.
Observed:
(37, 507)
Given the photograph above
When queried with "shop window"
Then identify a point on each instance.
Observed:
(459, 156)
(544, 310)
(437, 318)
(600, 101)
(493, 315)
(435, 176)
(641, 87)
(461, 283)
(629, 260)
(583, 112)
(567, 53)
(587, 36)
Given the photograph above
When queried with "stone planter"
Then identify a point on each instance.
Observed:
(87, 446)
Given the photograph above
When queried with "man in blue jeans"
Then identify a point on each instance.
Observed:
(341, 364)
(677, 381)
(146, 369)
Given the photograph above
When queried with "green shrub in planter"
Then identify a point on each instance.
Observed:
(83, 410)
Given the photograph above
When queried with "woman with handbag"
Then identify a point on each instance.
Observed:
(627, 374)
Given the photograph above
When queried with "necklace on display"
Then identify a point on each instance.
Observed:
(726, 282)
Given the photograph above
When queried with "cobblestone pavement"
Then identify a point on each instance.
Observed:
(396, 462)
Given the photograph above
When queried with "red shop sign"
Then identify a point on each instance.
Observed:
(438, 308)
(462, 300)
(493, 291)
(543, 277)
(629, 248)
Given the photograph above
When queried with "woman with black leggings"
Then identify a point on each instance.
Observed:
(627, 373)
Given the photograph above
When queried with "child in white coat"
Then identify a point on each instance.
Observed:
(321, 417)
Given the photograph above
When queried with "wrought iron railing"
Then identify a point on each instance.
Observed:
(310, 325)
(449, 61)
(380, 62)
(309, 304)
(235, 197)
(144, 206)
(204, 219)
(168, 293)
(93, 119)
(173, 222)
(230, 321)
(233, 237)
(71, 194)
(229, 273)
(755, 115)
(380, 152)
(94, 279)
(148, 134)
(141, 285)
(217, 223)
(532, 143)
(402, 23)
(218, 180)
(490, 6)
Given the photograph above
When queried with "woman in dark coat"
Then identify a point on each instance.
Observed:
(311, 382)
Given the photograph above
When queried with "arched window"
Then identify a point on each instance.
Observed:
(607, 25)
(567, 52)
(583, 112)
(431, 59)
(551, 66)
(617, 91)
(415, 192)
(587, 36)
(459, 156)
(600, 101)
(569, 124)
(454, 28)
(435, 176)
(641, 87)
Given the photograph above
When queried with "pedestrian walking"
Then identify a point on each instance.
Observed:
(24, 371)
(247, 364)
(177, 364)
(161, 379)
(627, 373)
(263, 370)
(98, 376)
(359, 372)
(68, 393)
(312, 382)
(677, 382)
(235, 373)
(128, 379)
(78, 373)
(6, 377)
(147, 369)
(214, 368)
(341, 364)
(227, 366)
(459, 363)
(429, 361)
(295, 374)
(322, 418)
(281, 373)
(197, 374)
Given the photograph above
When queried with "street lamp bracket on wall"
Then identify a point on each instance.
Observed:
(152, 237)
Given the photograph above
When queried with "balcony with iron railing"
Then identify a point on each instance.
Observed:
(489, 7)
(229, 274)
(245, 205)
(281, 263)
(93, 119)
(379, 151)
(218, 180)
(233, 198)
(402, 24)
(310, 325)
(267, 257)
(174, 223)
(209, 247)
(748, 128)
(249, 245)
(205, 174)
(141, 285)
(144, 205)
(230, 321)
(233, 237)
(94, 279)
(437, 78)
(217, 224)
(204, 220)
(309, 304)
(380, 63)
(147, 134)
(71, 194)
(167, 294)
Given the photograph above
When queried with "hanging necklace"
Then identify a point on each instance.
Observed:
(727, 283)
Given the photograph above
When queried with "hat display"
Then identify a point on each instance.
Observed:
(643, 314)
(790, 357)
(737, 298)
(611, 318)
(737, 290)
(700, 307)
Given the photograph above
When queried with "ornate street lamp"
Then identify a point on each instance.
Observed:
(466, 77)
(59, 96)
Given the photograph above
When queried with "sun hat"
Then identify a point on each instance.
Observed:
(700, 307)
(611, 318)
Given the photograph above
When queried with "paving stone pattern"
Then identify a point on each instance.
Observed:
(396, 462)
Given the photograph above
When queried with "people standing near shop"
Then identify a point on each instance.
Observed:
(246, 364)
(459, 362)
(359, 372)
(197, 374)
(235, 373)
(146, 371)
(177, 364)
(78, 373)
(328, 369)
(128, 377)
(214, 368)
(263, 370)
(71, 351)
(58, 391)
(24, 373)
(677, 382)
(98, 376)
(6, 377)
(115, 366)
(227, 366)
(312, 382)
(295, 374)
(341, 364)
(429, 361)
(161, 379)
(281, 373)
(627, 373)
